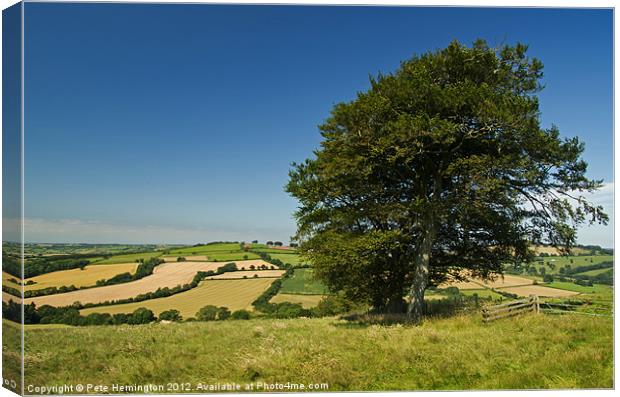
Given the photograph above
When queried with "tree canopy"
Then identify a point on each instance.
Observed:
(440, 166)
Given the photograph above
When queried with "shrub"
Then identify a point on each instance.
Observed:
(240, 315)
(223, 313)
(170, 315)
(332, 305)
(207, 313)
(120, 318)
(141, 315)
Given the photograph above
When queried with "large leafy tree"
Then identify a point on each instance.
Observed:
(440, 167)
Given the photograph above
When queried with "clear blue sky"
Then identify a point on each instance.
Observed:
(178, 123)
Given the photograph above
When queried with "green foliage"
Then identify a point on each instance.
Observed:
(170, 315)
(212, 313)
(440, 166)
(240, 315)
(141, 315)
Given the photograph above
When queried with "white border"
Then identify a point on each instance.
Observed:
(452, 3)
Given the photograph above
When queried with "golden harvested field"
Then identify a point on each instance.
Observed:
(87, 277)
(464, 285)
(248, 274)
(5, 280)
(168, 274)
(540, 291)
(233, 294)
(7, 297)
(307, 301)
(507, 281)
(539, 249)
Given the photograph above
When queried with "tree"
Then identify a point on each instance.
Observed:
(207, 313)
(223, 313)
(171, 315)
(254, 241)
(269, 243)
(440, 166)
(141, 315)
(240, 315)
(278, 243)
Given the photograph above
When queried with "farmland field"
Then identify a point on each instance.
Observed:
(307, 301)
(248, 274)
(463, 285)
(7, 297)
(507, 281)
(303, 282)
(126, 258)
(199, 258)
(595, 289)
(293, 259)
(539, 290)
(206, 249)
(443, 354)
(6, 277)
(168, 274)
(595, 272)
(233, 294)
(231, 256)
(80, 278)
(553, 264)
(482, 293)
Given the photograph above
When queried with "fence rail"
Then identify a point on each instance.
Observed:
(510, 309)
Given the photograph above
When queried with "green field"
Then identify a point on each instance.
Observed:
(482, 293)
(128, 258)
(595, 272)
(206, 249)
(302, 282)
(293, 259)
(553, 264)
(231, 256)
(443, 354)
(596, 289)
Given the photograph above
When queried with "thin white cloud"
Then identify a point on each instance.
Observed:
(90, 231)
(85, 231)
(602, 235)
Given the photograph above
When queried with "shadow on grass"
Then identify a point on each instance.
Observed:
(436, 308)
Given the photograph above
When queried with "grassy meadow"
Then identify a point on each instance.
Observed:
(527, 352)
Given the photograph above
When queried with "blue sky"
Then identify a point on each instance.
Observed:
(178, 123)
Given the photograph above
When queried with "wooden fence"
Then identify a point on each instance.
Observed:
(510, 309)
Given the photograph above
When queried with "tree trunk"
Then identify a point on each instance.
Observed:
(415, 310)
(428, 227)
